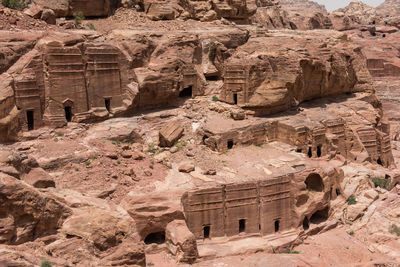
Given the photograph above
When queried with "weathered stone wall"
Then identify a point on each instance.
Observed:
(255, 207)
(328, 137)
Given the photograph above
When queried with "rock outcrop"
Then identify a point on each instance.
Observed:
(27, 214)
(359, 13)
(181, 242)
(251, 80)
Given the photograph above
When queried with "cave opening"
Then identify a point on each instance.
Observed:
(309, 152)
(320, 216)
(379, 161)
(319, 151)
(155, 238)
(205, 137)
(314, 182)
(337, 192)
(186, 92)
(230, 144)
(212, 78)
(306, 223)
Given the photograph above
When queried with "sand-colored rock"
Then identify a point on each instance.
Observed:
(170, 134)
(181, 242)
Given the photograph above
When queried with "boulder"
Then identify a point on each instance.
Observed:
(186, 167)
(161, 11)
(152, 213)
(10, 170)
(181, 242)
(39, 178)
(49, 16)
(26, 213)
(170, 134)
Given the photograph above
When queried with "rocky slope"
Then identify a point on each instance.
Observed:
(167, 133)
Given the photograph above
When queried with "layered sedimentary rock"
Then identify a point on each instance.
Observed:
(359, 12)
(65, 8)
(27, 214)
(389, 8)
(286, 75)
(302, 6)
(328, 135)
(229, 9)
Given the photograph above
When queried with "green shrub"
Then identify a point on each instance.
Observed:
(46, 263)
(382, 183)
(180, 143)
(394, 229)
(91, 26)
(351, 232)
(289, 251)
(212, 52)
(352, 200)
(78, 17)
(215, 98)
(14, 4)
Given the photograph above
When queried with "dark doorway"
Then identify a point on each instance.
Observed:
(230, 144)
(337, 192)
(30, 119)
(212, 78)
(306, 223)
(235, 99)
(299, 150)
(205, 137)
(309, 152)
(107, 103)
(155, 238)
(242, 225)
(314, 182)
(379, 161)
(206, 231)
(186, 92)
(276, 224)
(68, 113)
(319, 151)
(320, 216)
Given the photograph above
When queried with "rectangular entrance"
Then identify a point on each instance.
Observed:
(30, 119)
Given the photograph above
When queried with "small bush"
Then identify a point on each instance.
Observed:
(382, 183)
(14, 4)
(91, 26)
(352, 200)
(78, 17)
(289, 251)
(394, 229)
(180, 143)
(215, 98)
(46, 263)
(60, 134)
(151, 166)
(151, 148)
(351, 232)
